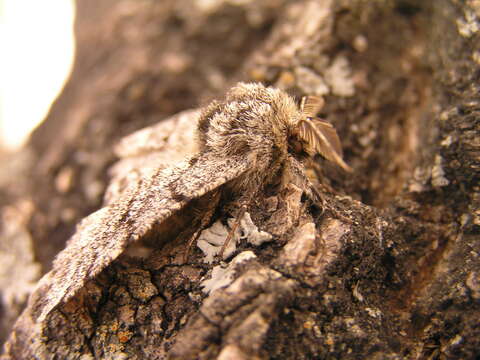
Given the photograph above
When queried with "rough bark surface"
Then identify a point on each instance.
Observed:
(387, 267)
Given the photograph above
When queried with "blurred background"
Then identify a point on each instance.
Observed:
(36, 55)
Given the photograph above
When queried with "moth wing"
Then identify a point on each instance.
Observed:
(324, 139)
(104, 235)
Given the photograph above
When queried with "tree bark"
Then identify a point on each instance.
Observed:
(387, 266)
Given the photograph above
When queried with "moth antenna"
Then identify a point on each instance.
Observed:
(322, 137)
(311, 105)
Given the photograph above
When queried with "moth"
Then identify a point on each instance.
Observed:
(255, 136)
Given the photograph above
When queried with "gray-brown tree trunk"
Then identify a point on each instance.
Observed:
(387, 267)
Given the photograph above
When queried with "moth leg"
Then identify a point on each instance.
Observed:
(315, 195)
(295, 174)
(203, 224)
(195, 237)
(234, 228)
(205, 219)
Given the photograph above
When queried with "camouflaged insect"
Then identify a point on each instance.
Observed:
(255, 136)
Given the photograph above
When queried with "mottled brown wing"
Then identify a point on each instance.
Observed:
(103, 236)
(322, 136)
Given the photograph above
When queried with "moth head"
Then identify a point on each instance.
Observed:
(311, 135)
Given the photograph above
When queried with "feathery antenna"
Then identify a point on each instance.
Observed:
(318, 133)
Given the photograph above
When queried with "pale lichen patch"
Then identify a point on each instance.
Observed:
(222, 277)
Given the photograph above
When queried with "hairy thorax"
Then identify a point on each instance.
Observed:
(252, 121)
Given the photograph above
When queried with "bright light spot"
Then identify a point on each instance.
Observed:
(36, 55)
